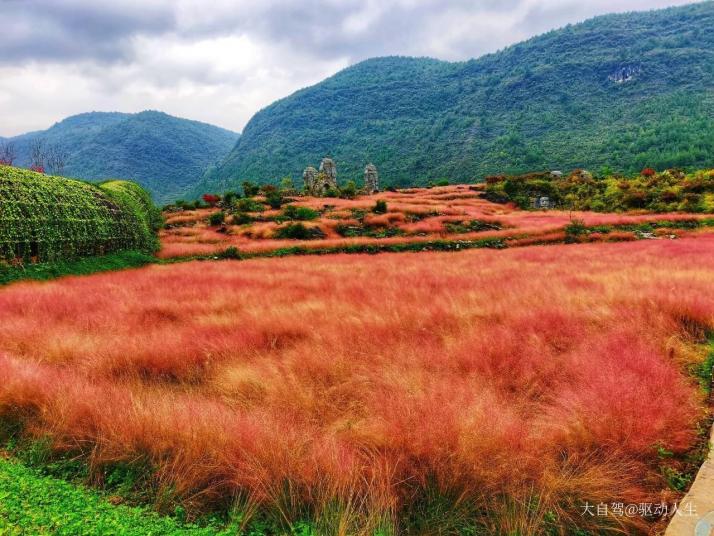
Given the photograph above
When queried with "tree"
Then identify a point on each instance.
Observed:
(211, 199)
(349, 190)
(380, 207)
(7, 153)
(37, 155)
(250, 189)
(56, 158)
(287, 185)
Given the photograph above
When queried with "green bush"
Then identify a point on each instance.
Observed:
(574, 230)
(241, 218)
(231, 252)
(217, 218)
(274, 199)
(44, 218)
(380, 207)
(229, 198)
(349, 190)
(298, 231)
(250, 189)
(293, 212)
(667, 191)
(249, 205)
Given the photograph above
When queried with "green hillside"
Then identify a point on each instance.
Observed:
(45, 218)
(164, 154)
(624, 91)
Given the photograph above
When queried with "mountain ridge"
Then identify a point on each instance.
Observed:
(163, 153)
(620, 90)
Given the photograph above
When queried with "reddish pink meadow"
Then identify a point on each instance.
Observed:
(500, 390)
(418, 215)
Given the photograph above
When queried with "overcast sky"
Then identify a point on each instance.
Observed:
(220, 61)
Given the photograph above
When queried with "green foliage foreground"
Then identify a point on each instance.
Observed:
(35, 504)
(49, 219)
(84, 266)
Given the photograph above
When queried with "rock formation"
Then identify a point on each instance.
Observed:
(625, 74)
(309, 177)
(328, 168)
(371, 179)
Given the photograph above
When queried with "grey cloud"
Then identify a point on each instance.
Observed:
(69, 30)
(167, 54)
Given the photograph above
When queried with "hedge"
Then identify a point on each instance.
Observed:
(45, 218)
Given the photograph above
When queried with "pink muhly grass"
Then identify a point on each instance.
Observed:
(547, 374)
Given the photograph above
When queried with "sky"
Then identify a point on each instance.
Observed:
(220, 61)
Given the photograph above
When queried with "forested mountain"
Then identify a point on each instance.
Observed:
(165, 154)
(624, 91)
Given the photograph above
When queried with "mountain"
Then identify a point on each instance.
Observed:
(165, 154)
(624, 91)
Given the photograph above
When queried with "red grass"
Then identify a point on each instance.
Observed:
(421, 214)
(546, 373)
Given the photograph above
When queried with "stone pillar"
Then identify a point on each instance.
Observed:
(309, 177)
(328, 168)
(371, 179)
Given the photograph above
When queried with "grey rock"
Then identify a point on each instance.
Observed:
(371, 179)
(309, 177)
(328, 168)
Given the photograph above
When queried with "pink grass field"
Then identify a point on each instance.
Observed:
(189, 234)
(355, 389)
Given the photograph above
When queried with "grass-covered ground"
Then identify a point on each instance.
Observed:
(474, 393)
(416, 219)
(81, 266)
(34, 504)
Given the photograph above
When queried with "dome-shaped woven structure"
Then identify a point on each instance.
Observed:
(44, 218)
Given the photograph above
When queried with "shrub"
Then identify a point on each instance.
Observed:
(656, 192)
(442, 182)
(293, 212)
(574, 230)
(250, 189)
(274, 199)
(380, 207)
(229, 198)
(287, 184)
(332, 192)
(241, 218)
(231, 252)
(249, 205)
(298, 231)
(217, 218)
(211, 199)
(349, 190)
(44, 218)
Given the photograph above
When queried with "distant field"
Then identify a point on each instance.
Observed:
(480, 392)
(414, 217)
